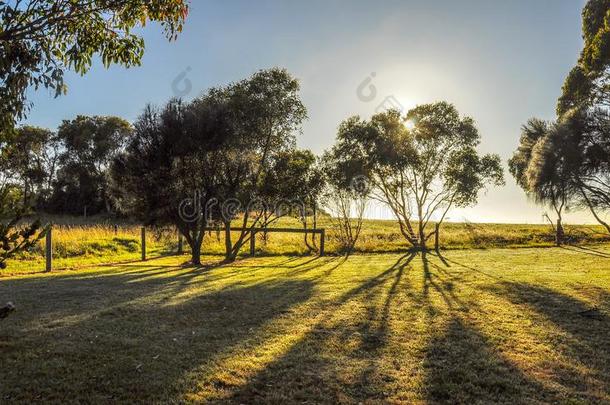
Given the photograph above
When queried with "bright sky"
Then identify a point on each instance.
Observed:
(499, 61)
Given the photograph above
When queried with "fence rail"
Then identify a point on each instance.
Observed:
(254, 231)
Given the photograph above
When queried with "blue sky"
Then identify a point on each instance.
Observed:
(500, 62)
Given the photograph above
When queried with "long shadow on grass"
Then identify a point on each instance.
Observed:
(448, 262)
(585, 339)
(77, 294)
(138, 352)
(442, 283)
(461, 367)
(308, 372)
(588, 251)
(459, 364)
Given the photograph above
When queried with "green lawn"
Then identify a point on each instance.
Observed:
(501, 325)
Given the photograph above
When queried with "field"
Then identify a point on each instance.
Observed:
(78, 243)
(472, 326)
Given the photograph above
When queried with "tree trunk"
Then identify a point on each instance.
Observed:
(422, 236)
(559, 233)
(228, 244)
(315, 224)
(196, 254)
(592, 209)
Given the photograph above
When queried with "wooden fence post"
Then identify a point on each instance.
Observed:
(49, 249)
(143, 243)
(179, 243)
(252, 243)
(322, 237)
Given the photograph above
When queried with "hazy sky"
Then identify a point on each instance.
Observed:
(499, 61)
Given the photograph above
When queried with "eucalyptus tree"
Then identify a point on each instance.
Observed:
(88, 146)
(345, 195)
(583, 121)
(29, 160)
(541, 167)
(423, 169)
(559, 165)
(41, 39)
(292, 186)
(265, 112)
(166, 174)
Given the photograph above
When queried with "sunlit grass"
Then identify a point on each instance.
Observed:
(498, 325)
(86, 244)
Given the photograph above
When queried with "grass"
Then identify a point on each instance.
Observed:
(79, 243)
(75, 246)
(473, 326)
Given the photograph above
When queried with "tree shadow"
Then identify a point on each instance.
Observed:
(587, 250)
(135, 350)
(442, 283)
(306, 374)
(461, 367)
(584, 336)
(85, 294)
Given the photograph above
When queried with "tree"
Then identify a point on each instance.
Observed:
(29, 159)
(40, 39)
(583, 118)
(264, 112)
(579, 155)
(89, 145)
(167, 172)
(210, 156)
(423, 171)
(292, 185)
(543, 169)
(592, 170)
(345, 196)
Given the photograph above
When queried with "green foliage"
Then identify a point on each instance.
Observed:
(422, 171)
(534, 130)
(292, 176)
(14, 239)
(219, 147)
(576, 91)
(588, 83)
(89, 145)
(567, 163)
(40, 39)
(595, 56)
(28, 160)
(541, 169)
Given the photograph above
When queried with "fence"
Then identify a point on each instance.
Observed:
(253, 232)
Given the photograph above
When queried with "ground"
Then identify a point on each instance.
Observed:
(79, 242)
(472, 326)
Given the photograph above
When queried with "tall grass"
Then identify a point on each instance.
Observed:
(96, 242)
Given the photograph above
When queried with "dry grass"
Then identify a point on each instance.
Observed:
(78, 243)
(477, 326)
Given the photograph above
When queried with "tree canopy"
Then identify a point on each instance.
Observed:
(216, 153)
(567, 162)
(40, 39)
(422, 171)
